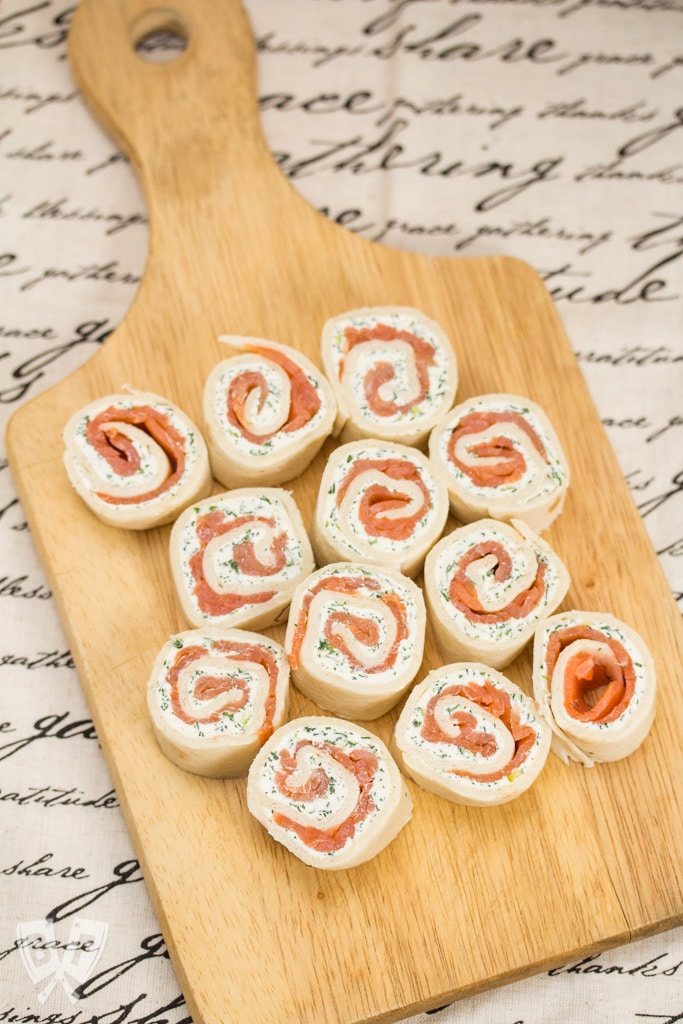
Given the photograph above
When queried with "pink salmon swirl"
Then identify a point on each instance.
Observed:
(304, 401)
(382, 504)
(595, 681)
(506, 462)
(120, 452)
(470, 735)
(361, 764)
(384, 371)
(235, 692)
(463, 731)
(462, 591)
(217, 524)
(598, 684)
(364, 630)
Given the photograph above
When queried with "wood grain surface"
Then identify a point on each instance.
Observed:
(464, 898)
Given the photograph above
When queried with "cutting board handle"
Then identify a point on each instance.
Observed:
(190, 125)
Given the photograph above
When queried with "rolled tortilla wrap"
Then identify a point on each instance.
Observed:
(470, 735)
(329, 791)
(378, 502)
(393, 371)
(135, 459)
(236, 558)
(487, 585)
(214, 698)
(267, 411)
(499, 457)
(594, 680)
(355, 638)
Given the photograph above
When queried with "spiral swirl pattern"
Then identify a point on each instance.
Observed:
(238, 556)
(487, 585)
(328, 791)
(468, 734)
(378, 501)
(135, 459)
(215, 697)
(393, 372)
(267, 411)
(355, 638)
(595, 681)
(499, 456)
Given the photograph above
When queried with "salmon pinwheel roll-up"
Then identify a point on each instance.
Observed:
(468, 734)
(378, 502)
(393, 371)
(355, 638)
(594, 680)
(487, 585)
(500, 457)
(237, 557)
(215, 697)
(267, 411)
(328, 791)
(135, 459)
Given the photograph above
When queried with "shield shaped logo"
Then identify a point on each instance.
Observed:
(50, 962)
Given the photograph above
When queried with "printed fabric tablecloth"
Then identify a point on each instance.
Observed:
(551, 130)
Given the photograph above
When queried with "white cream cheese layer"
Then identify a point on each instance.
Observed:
(215, 696)
(393, 371)
(267, 411)
(470, 735)
(237, 557)
(355, 638)
(329, 791)
(499, 456)
(379, 502)
(487, 585)
(135, 459)
(595, 682)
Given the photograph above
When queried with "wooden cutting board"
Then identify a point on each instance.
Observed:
(464, 898)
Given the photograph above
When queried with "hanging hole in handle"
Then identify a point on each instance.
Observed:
(159, 36)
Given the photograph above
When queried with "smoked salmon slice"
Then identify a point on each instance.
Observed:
(487, 585)
(215, 696)
(393, 371)
(379, 502)
(595, 682)
(135, 459)
(470, 735)
(329, 791)
(500, 457)
(355, 638)
(236, 557)
(267, 410)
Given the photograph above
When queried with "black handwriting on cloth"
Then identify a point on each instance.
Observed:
(53, 726)
(29, 371)
(105, 273)
(43, 867)
(439, 44)
(13, 504)
(52, 796)
(42, 659)
(663, 1018)
(23, 587)
(650, 285)
(655, 967)
(653, 136)
(362, 155)
(151, 947)
(653, 504)
(126, 873)
(121, 1014)
(17, 29)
